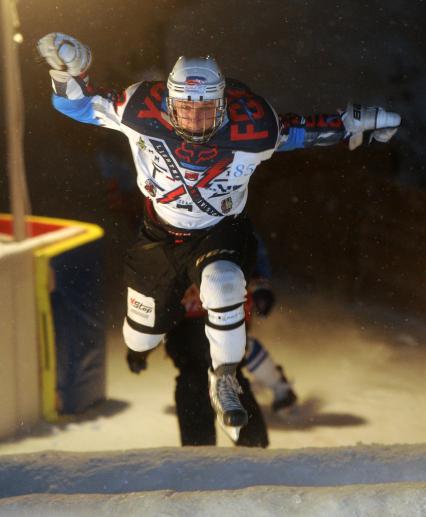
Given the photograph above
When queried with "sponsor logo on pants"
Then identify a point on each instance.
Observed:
(140, 308)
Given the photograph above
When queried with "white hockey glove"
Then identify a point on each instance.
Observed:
(65, 53)
(357, 119)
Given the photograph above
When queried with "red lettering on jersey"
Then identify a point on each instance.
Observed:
(237, 93)
(154, 112)
(238, 113)
(291, 120)
(310, 121)
(323, 121)
(157, 91)
(248, 134)
(245, 111)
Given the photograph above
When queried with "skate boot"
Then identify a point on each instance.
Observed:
(224, 390)
(284, 395)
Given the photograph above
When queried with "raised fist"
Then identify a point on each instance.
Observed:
(263, 300)
(64, 53)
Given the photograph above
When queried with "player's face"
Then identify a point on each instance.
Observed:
(195, 116)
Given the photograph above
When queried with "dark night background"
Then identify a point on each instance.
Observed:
(351, 225)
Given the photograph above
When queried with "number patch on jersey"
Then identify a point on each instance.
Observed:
(243, 169)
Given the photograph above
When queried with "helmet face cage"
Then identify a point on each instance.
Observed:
(207, 125)
(196, 103)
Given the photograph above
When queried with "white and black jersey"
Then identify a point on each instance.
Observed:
(194, 186)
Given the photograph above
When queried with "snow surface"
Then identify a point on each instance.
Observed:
(360, 377)
(362, 480)
(400, 500)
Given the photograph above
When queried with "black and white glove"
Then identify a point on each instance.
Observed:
(65, 53)
(264, 300)
(137, 361)
(357, 119)
(263, 296)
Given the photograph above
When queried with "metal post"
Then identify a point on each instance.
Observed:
(13, 108)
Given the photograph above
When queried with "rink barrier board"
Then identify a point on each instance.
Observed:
(35, 226)
(44, 278)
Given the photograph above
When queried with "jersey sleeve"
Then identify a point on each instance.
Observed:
(299, 132)
(76, 99)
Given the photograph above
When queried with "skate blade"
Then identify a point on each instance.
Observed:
(232, 432)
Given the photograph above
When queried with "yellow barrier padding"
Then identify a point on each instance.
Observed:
(91, 232)
(46, 335)
(43, 273)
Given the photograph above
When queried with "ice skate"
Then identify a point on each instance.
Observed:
(224, 390)
(284, 395)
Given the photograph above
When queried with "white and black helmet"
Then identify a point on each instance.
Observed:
(196, 80)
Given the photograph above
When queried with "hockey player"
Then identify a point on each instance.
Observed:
(196, 141)
(123, 196)
(187, 344)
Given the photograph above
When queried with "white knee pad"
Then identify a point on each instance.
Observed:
(139, 341)
(222, 294)
(222, 285)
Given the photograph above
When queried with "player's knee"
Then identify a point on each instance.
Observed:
(222, 293)
(222, 285)
(139, 341)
